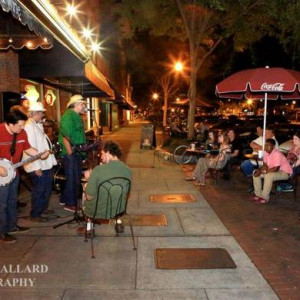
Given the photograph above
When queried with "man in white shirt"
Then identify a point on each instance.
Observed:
(40, 170)
(248, 166)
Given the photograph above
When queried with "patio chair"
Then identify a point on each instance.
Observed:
(293, 181)
(217, 173)
(114, 192)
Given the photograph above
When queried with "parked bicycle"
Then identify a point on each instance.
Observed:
(189, 153)
(186, 153)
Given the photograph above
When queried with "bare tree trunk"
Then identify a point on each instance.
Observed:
(165, 110)
(192, 93)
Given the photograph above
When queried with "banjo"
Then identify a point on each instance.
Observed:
(10, 168)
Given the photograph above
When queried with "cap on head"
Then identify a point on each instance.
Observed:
(36, 106)
(76, 99)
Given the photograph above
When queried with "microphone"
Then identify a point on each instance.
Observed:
(89, 109)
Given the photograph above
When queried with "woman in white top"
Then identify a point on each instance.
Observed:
(40, 170)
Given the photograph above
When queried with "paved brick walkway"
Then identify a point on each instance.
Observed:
(269, 234)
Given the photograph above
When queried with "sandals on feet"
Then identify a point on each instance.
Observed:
(261, 201)
(192, 178)
(254, 199)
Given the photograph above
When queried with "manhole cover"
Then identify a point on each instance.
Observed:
(193, 258)
(174, 198)
(146, 220)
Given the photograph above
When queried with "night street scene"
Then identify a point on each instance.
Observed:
(149, 149)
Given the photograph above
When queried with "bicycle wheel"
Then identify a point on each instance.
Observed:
(181, 156)
(187, 157)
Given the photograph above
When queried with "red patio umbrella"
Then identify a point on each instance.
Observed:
(267, 83)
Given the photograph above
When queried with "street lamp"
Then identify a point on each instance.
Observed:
(155, 96)
(178, 66)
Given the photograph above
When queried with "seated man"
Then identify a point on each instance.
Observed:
(248, 165)
(176, 131)
(275, 167)
(111, 167)
(201, 130)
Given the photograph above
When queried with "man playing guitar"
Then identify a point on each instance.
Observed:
(71, 133)
(40, 170)
(13, 141)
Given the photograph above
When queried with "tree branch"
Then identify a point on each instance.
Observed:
(200, 62)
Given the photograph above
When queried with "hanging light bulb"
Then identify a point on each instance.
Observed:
(71, 9)
(29, 44)
(87, 33)
(10, 40)
(95, 47)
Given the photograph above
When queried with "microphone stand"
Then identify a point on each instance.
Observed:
(96, 134)
(76, 218)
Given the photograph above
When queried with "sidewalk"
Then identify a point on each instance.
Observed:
(118, 272)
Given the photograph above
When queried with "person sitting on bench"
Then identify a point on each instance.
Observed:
(275, 167)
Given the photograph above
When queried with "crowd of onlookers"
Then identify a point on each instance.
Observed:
(263, 161)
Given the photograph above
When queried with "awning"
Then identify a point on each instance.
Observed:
(23, 30)
(93, 74)
(60, 64)
(48, 15)
(120, 99)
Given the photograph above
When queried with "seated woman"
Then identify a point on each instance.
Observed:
(212, 141)
(294, 153)
(293, 157)
(212, 162)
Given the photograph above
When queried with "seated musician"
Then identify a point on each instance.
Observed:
(111, 167)
(13, 141)
(212, 162)
(275, 167)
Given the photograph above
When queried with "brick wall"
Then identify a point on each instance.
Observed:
(9, 72)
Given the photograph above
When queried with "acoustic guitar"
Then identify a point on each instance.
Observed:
(11, 168)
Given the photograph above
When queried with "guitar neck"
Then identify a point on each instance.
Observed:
(28, 160)
(84, 148)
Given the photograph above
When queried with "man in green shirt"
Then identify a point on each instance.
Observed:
(111, 167)
(71, 133)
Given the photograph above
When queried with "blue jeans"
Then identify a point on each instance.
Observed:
(41, 192)
(8, 206)
(247, 167)
(296, 171)
(72, 169)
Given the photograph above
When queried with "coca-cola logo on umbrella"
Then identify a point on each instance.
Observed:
(272, 86)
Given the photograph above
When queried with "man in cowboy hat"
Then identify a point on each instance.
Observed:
(40, 170)
(71, 133)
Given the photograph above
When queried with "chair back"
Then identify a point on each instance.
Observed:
(113, 193)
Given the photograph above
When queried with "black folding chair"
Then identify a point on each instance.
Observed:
(114, 194)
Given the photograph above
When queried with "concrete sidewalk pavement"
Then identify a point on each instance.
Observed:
(118, 272)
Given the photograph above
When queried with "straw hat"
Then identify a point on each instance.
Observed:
(76, 99)
(36, 106)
